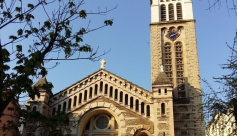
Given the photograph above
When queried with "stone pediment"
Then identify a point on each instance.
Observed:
(109, 82)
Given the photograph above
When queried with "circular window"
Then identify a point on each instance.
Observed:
(102, 122)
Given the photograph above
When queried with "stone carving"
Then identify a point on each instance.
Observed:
(136, 122)
(163, 119)
(126, 114)
(163, 126)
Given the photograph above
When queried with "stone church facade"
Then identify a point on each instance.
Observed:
(104, 104)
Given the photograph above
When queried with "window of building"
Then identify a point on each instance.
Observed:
(179, 11)
(80, 97)
(96, 89)
(69, 103)
(162, 108)
(171, 12)
(165, 91)
(75, 101)
(102, 122)
(59, 108)
(163, 13)
(131, 102)
(90, 93)
(142, 108)
(116, 94)
(148, 110)
(111, 91)
(101, 86)
(159, 91)
(126, 99)
(121, 97)
(85, 95)
(64, 106)
(137, 105)
(106, 88)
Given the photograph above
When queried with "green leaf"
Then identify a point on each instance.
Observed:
(18, 9)
(47, 24)
(30, 5)
(19, 32)
(79, 39)
(19, 48)
(85, 48)
(108, 22)
(12, 37)
(82, 14)
(71, 4)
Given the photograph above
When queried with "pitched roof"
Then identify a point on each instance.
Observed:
(3, 105)
(41, 81)
(162, 79)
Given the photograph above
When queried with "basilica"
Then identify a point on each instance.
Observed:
(105, 104)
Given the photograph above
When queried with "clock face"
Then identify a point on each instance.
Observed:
(173, 35)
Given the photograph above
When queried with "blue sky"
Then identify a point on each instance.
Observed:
(129, 42)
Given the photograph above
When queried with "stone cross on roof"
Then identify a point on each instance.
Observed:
(102, 62)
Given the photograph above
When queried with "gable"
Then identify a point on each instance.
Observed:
(101, 83)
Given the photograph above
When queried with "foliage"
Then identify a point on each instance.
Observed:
(223, 102)
(58, 122)
(54, 39)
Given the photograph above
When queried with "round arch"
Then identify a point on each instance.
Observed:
(142, 132)
(99, 111)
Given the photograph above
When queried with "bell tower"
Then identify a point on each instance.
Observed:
(173, 46)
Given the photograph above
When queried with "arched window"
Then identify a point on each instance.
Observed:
(96, 89)
(64, 106)
(121, 97)
(111, 91)
(116, 94)
(165, 91)
(69, 103)
(126, 99)
(54, 110)
(142, 108)
(34, 109)
(90, 94)
(59, 108)
(101, 86)
(137, 105)
(148, 110)
(163, 133)
(80, 98)
(106, 88)
(163, 12)
(85, 95)
(159, 91)
(75, 101)
(171, 12)
(162, 108)
(131, 102)
(179, 11)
